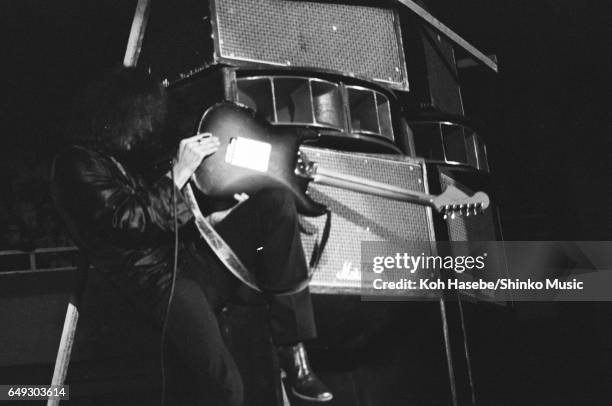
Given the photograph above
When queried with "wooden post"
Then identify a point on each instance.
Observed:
(65, 349)
(69, 330)
(139, 25)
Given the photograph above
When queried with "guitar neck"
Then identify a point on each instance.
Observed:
(356, 184)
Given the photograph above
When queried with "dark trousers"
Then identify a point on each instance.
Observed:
(264, 233)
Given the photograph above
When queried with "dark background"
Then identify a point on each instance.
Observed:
(549, 151)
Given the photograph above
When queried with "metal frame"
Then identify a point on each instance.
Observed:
(344, 99)
(376, 94)
(475, 148)
(309, 80)
(32, 260)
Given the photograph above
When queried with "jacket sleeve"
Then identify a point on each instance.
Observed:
(116, 205)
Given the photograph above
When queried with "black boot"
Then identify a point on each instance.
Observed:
(304, 383)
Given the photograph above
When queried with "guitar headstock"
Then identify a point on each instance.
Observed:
(454, 202)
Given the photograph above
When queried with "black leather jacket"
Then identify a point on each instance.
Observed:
(123, 223)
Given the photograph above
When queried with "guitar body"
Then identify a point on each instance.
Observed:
(253, 155)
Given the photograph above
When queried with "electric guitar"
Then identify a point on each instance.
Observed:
(254, 155)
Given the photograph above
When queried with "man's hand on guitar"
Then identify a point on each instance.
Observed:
(190, 154)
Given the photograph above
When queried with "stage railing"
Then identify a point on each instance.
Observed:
(34, 262)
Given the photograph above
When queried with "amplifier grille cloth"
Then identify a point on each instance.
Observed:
(358, 217)
(344, 38)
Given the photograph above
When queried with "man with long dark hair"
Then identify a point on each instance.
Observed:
(123, 218)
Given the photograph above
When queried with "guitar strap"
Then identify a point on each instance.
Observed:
(225, 253)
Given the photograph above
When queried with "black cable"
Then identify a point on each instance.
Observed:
(173, 283)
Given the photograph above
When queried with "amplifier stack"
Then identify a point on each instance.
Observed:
(340, 70)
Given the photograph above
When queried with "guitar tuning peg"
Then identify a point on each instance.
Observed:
(453, 215)
(445, 216)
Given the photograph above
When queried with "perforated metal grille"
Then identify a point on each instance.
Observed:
(350, 39)
(473, 228)
(358, 217)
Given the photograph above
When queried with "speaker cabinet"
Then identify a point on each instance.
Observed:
(357, 217)
(449, 139)
(434, 82)
(187, 36)
(443, 90)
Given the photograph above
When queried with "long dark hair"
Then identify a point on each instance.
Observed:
(122, 114)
